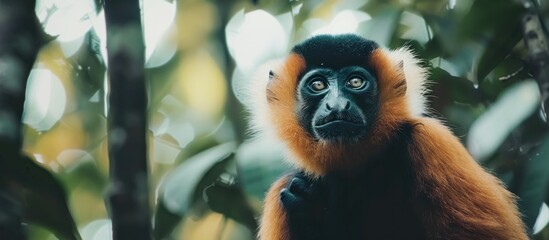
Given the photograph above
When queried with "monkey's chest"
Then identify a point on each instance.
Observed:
(388, 215)
(375, 210)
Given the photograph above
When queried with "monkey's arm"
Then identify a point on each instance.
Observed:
(273, 224)
(460, 200)
(290, 209)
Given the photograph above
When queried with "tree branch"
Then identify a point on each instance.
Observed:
(20, 40)
(538, 52)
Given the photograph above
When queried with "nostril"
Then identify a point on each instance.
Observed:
(328, 106)
(347, 105)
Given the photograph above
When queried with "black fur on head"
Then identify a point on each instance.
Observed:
(329, 107)
(335, 51)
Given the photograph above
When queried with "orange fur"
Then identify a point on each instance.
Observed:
(465, 201)
(273, 222)
(459, 199)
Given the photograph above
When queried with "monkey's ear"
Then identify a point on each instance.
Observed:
(400, 68)
(271, 75)
(400, 86)
(271, 96)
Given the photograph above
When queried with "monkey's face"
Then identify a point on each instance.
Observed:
(335, 100)
(337, 105)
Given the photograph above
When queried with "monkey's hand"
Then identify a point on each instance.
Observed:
(300, 201)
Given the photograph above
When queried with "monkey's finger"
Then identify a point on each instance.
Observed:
(289, 200)
(301, 188)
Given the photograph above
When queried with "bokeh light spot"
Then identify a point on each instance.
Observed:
(45, 100)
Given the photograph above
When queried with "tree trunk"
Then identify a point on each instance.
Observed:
(20, 40)
(127, 124)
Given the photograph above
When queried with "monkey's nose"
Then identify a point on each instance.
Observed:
(338, 104)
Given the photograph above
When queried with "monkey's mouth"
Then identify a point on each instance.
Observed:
(339, 127)
(339, 119)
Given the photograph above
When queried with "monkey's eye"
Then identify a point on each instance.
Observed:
(356, 83)
(318, 85)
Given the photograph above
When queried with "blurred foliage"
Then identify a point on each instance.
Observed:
(207, 182)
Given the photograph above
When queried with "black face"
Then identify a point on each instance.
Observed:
(337, 104)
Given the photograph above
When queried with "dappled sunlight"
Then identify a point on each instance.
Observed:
(68, 21)
(416, 27)
(163, 151)
(542, 220)
(345, 21)
(200, 60)
(201, 84)
(158, 17)
(67, 135)
(213, 226)
(176, 124)
(97, 230)
(46, 100)
(100, 30)
(490, 130)
(71, 157)
(255, 37)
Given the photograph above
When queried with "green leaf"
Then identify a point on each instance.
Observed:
(260, 164)
(515, 105)
(534, 185)
(184, 186)
(497, 26)
(86, 173)
(229, 200)
(478, 37)
(44, 199)
(164, 221)
(495, 53)
(382, 27)
(451, 89)
(10, 219)
(430, 6)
